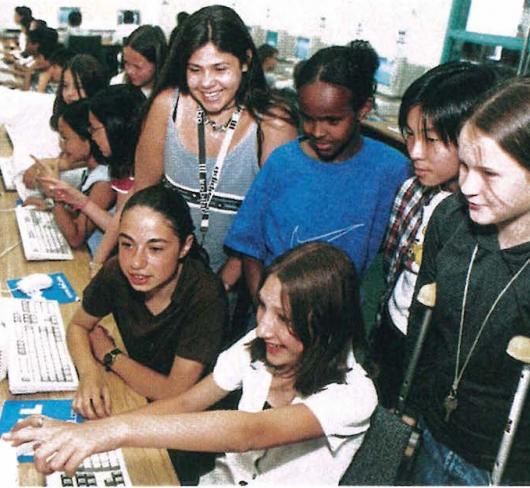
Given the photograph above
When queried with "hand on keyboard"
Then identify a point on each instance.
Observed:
(64, 192)
(63, 445)
(36, 203)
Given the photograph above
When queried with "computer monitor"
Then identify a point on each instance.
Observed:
(121, 13)
(271, 38)
(394, 76)
(384, 73)
(63, 14)
(302, 48)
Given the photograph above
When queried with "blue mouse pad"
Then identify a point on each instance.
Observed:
(15, 410)
(61, 289)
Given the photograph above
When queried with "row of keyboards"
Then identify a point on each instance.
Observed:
(33, 350)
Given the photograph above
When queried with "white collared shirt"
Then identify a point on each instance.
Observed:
(343, 411)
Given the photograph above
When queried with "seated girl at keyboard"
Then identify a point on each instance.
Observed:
(306, 401)
(76, 144)
(82, 77)
(114, 125)
(168, 306)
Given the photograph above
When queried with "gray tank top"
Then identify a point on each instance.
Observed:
(181, 170)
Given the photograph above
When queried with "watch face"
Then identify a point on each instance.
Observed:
(107, 359)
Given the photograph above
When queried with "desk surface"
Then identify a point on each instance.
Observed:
(145, 466)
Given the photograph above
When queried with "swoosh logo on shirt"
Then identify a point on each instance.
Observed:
(328, 237)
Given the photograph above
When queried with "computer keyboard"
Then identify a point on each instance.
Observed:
(38, 358)
(41, 237)
(103, 469)
(8, 173)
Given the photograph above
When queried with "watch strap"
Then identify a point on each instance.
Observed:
(110, 357)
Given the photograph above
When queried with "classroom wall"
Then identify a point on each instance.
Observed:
(335, 21)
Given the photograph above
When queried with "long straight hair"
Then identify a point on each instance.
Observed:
(150, 42)
(320, 291)
(222, 27)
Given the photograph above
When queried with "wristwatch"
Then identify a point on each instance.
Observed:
(110, 357)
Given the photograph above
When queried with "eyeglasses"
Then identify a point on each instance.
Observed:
(91, 129)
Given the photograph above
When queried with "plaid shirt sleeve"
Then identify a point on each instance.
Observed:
(395, 223)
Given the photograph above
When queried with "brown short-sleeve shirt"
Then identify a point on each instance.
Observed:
(191, 327)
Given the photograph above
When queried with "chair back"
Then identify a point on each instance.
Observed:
(379, 459)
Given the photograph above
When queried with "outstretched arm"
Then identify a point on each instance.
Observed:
(76, 228)
(211, 431)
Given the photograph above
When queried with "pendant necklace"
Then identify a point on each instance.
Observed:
(451, 401)
(216, 127)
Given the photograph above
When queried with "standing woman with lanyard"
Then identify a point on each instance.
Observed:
(211, 124)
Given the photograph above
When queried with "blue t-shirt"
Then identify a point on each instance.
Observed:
(296, 199)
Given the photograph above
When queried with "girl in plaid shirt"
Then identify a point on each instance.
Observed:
(432, 111)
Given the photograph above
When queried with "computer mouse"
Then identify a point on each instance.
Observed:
(34, 283)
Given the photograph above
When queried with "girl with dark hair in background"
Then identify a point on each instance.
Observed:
(23, 17)
(306, 400)
(82, 77)
(144, 54)
(114, 119)
(50, 78)
(77, 146)
(331, 184)
(211, 108)
(477, 251)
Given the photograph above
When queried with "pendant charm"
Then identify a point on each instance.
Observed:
(450, 404)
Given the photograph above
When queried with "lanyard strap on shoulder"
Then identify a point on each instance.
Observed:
(206, 190)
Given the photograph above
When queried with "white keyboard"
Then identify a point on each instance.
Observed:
(8, 173)
(38, 358)
(41, 237)
(103, 469)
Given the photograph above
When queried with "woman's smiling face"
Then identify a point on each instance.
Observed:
(214, 77)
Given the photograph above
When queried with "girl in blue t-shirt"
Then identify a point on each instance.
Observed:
(331, 184)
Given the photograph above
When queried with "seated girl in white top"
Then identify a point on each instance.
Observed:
(114, 118)
(76, 145)
(306, 402)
